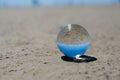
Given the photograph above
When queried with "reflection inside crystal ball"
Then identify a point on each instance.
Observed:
(73, 40)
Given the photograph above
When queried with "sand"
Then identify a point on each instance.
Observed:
(28, 43)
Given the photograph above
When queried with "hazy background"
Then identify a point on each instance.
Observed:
(11, 3)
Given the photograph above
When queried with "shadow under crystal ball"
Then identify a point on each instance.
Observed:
(73, 40)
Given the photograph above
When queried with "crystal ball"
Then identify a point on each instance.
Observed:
(73, 40)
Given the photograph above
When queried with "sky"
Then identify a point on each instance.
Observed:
(54, 2)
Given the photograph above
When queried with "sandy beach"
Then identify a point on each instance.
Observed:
(28, 48)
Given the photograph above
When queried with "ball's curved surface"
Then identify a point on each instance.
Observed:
(73, 40)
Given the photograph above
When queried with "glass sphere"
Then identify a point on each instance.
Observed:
(73, 40)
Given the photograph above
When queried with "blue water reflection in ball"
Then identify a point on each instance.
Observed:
(73, 50)
(73, 40)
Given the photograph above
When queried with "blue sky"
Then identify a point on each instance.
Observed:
(54, 2)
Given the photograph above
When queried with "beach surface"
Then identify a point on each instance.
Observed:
(28, 49)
